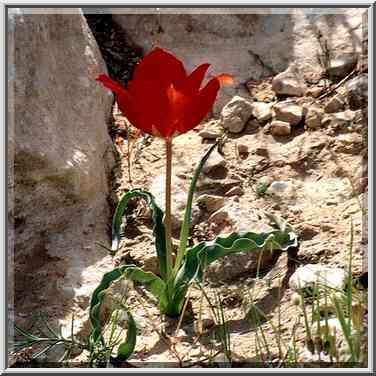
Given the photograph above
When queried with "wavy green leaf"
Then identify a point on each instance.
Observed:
(126, 348)
(204, 253)
(158, 230)
(153, 283)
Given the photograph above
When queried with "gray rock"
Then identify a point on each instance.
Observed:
(215, 163)
(308, 276)
(210, 203)
(335, 104)
(288, 112)
(280, 188)
(342, 65)
(60, 158)
(262, 111)
(236, 114)
(289, 83)
(313, 117)
(211, 130)
(357, 92)
(280, 128)
(339, 119)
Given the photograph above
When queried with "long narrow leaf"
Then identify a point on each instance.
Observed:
(158, 230)
(184, 232)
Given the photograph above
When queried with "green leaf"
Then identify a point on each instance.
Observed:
(184, 232)
(158, 230)
(153, 283)
(204, 253)
(126, 348)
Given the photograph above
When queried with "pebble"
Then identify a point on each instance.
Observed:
(215, 162)
(305, 277)
(313, 117)
(280, 128)
(242, 148)
(335, 104)
(289, 113)
(262, 111)
(235, 114)
(220, 216)
(288, 83)
(342, 65)
(357, 92)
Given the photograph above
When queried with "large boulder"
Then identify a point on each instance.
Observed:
(60, 158)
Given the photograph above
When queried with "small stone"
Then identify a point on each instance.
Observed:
(262, 111)
(289, 113)
(339, 119)
(289, 83)
(335, 104)
(342, 65)
(315, 91)
(280, 128)
(242, 148)
(210, 203)
(211, 130)
(313, 117)
(357, 92)
(215, 162)
(279, 187)
(220, 216)
(308, 276)
(235, 191)
(236, 113)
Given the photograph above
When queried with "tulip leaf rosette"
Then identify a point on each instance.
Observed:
(164, 101)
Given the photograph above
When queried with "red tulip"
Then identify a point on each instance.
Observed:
(162, 99)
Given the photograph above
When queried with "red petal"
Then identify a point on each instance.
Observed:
(161, 68)
(199, 106)
(193, 83)
(111, 84)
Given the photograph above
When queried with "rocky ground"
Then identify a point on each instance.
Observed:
(293, 148)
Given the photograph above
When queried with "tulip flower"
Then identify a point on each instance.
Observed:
(162, 99)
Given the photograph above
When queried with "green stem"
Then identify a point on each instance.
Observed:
(167, 218)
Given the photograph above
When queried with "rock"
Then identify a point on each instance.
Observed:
(313, 117)
(280, 188)
(220, 217)
(60, 159)
(211, 130)
(357, 92)
(210, 203)
(289, 113)
(280, 128)
(236, 113)
(289, 83)
(342, 65)
(307, 276)
(215, 163)
(262, 111)
(235, 191)
(339, 119)
(242, 148)
(314, 91)
(335, 104)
